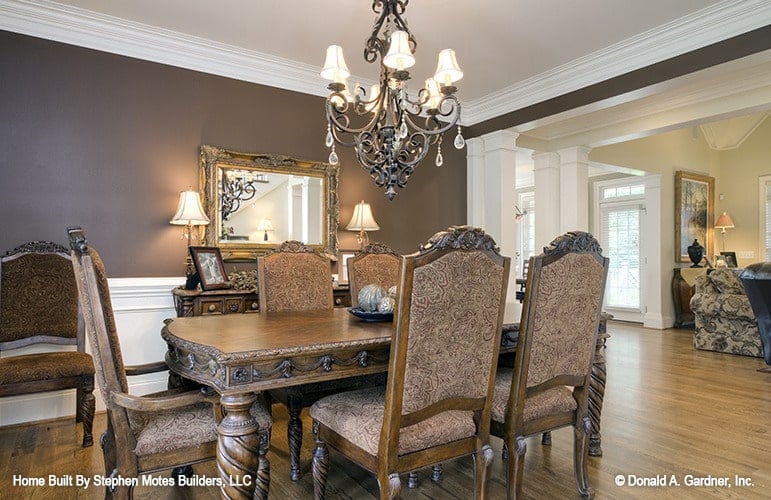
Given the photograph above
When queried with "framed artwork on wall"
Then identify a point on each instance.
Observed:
(694, 213)
(210, 267)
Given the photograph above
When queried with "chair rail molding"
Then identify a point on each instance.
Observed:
(140, 305)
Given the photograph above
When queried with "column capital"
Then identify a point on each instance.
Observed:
(575, 154)
(501, 139)
(545, 159)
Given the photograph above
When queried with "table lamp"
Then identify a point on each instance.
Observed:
(265, 226)
(724, 222)
(362, 221)
(189, 214)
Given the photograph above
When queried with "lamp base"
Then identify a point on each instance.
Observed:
(362, 239)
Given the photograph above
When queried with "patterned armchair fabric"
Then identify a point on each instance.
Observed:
(139, 438)
(723, 316)
(375, 264)
(39, 306)
(436, 404)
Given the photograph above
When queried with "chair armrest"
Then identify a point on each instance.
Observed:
(158, 403)
(156, 366)
(725, 305)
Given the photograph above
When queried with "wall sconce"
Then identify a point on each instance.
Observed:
(724, 222)
(265, 225)
(189, 214)
(518, 214)
(362, 221)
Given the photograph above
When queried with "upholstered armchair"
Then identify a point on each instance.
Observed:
(376, 264)
(39, 307)
(145, 434)
(723, 316)
(436, 404)
(548, 387)
(757, 283)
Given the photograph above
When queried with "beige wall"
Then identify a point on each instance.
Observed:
(737, 180)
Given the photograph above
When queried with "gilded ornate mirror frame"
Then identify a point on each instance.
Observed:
(213, 159)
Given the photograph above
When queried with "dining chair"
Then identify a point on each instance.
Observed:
(294, 277)
(39, 310)
(154, 432)
(437, 402)
(375, 264)
(548, 386)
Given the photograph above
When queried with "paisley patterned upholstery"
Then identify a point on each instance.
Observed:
(375, 264)
(723, 316)
(39, 306)
(549, 384)
(438, 397)
(292, 279)
(184, 433)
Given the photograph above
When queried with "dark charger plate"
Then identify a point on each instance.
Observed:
(372, 317)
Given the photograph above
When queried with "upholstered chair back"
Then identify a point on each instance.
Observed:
(94, 294)
(564, 313)
(294, 277)
(756, 279)
(447, 333)
(38, 295)
(376, 264)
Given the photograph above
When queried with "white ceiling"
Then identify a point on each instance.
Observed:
(514, 52)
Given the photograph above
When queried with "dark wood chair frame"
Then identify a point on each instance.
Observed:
(82, 383)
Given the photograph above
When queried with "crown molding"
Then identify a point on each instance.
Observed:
(84, 28)
(710, 25)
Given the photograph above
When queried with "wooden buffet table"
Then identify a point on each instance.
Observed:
(239, 355)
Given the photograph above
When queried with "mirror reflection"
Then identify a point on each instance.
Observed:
(257, 201)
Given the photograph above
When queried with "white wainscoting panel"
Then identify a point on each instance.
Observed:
(140, 305)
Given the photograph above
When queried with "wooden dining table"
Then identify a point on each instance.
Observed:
(241, 355)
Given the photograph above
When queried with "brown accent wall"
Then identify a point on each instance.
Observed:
(107, 142)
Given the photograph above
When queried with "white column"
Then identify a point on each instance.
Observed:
(475, 185)
(546, 170)
(574, 193)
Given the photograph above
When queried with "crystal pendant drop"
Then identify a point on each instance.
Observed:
(459, 141)
(439, 158)
(333, 159)
(403, 130)
(329, 140)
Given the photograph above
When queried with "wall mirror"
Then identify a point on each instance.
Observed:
(256, 201)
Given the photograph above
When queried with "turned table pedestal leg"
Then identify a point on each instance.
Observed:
(238, 450)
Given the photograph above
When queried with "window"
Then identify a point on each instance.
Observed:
(621, 205)
(526, 204)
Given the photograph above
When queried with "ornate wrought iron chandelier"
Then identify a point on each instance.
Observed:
(390, 131)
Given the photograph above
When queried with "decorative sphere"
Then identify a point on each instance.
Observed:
(370, 297)
(392, 292)
(386, 305)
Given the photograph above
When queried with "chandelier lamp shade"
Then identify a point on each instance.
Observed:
(724, 222)
(390, 130)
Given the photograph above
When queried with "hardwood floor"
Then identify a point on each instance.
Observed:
(670, 411)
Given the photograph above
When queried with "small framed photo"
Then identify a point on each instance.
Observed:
(210, 267)
(730, 259)
(342, 267)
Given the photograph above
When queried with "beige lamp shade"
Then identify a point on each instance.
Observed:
(399, 54)
(335, 68)
(724, 222)
(189, 210)
(447, 69)
(362, 219)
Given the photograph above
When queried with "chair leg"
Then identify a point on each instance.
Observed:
(412, 480)
(546, 438)
(436, 473)
(515, 468)
(580, 452)
(482, 461)
(262, 481)
(390, 486)
(86, 406)
(320, 465)
(294, 431)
